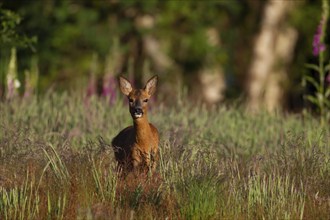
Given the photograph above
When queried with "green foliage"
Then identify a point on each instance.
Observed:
(70, 32)
(265, 192)
(20, 202)
(57, 165)
(199, 199)
(56, 207)
(104, 184)
(9, 34)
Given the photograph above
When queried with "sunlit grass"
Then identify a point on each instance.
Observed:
(56, 162)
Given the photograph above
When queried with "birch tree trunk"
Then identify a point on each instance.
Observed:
(273, 51)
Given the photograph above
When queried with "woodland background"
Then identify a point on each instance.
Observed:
(251, 51)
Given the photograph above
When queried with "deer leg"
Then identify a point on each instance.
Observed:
(136, 159)
(147, 162)
(154, 158)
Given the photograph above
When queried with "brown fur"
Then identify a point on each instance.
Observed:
(136, 147)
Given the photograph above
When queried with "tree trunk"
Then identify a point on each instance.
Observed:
(272, 53)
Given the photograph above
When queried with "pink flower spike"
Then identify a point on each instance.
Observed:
(327, 79)
(318, 46)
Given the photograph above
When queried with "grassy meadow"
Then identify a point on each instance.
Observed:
(56, 162)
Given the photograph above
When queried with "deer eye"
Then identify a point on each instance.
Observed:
(130, 100)
(146, 100)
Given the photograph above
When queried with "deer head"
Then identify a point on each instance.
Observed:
(138, 98)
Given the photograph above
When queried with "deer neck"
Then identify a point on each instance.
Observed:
(142, 129)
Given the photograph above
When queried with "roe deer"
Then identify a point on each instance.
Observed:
(136, 147)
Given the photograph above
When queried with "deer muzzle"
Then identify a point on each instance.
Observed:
(137, 113)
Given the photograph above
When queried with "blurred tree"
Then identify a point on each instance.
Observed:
(196, 44)
(273, 51)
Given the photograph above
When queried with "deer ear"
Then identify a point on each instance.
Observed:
(151, 85)
(125, 85)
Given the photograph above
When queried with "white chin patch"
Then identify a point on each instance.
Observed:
(137, 115)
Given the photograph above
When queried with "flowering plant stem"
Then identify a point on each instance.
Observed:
(320, 98)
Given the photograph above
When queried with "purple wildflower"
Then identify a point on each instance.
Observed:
(109, 88)
(327, 79)
(318, 46)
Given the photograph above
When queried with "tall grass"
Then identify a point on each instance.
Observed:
(56, 162)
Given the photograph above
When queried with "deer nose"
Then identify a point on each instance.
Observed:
(138, 110)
